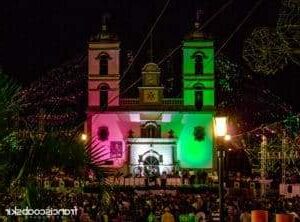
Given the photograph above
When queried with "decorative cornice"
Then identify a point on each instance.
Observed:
(104, 45)
(198, 78)
(103, 79)
(110, 89)
(205, 88)
(155, 108)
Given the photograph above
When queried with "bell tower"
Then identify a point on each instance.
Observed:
(151, 93)
(103, 71)
(198, 69)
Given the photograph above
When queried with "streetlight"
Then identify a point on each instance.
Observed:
(227, 137)
(220, 126)
(83, 137)
(220, 129)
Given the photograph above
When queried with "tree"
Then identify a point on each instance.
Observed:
(9, 107)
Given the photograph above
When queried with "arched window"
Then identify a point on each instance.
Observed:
(198, 97)
(103, 97)
(151, 130)
(198, 58)
(198, 64)
(103, 65)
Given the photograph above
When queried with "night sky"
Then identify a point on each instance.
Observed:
(37, 36)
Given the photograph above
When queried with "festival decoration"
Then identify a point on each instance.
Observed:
(60, 93)
(288, 27)
(281, 148)
(265, 52)
(269, 50)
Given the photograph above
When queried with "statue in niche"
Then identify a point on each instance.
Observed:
(130, 133)
(171, 134)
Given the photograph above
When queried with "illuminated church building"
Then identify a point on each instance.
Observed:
(151, 132)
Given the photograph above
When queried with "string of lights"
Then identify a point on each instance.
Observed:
(61, 87)
(261, 128)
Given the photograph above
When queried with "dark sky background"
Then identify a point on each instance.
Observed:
(37, 35)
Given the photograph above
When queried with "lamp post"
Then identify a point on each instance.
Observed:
(83, 137)
(220, 129)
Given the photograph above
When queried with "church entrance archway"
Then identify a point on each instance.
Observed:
(151, 166)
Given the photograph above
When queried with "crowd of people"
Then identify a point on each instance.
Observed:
(154, 206)
(148, 203)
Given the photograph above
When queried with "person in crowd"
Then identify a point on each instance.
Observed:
(84, 216)
(192, 177)
(167, 216)
(198, 202)
(245, 216)
(191, 215)
(296, 216)
(151, 217)
(163, 179)
(200, 216)
(184, 216)
(101, 217)
(215, 214)
(136, 205)
(230, 211)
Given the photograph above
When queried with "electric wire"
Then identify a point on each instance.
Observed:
(201, 28)
(145, 40)
(172, 52)
(138, 52)
(178, 47)
(239, 26)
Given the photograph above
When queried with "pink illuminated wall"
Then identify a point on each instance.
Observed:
(94, 92)
(118, 126)
(112, 79)
(112, 148)
(113, 63)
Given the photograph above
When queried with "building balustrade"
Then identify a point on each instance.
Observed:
(166, 101)
(152, 140)
(129, 101)
(173, 101)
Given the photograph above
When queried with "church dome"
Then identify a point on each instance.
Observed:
(151, 67)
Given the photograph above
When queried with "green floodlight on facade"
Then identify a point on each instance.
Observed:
(198, 84)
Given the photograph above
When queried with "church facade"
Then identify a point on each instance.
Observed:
(151, 133)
